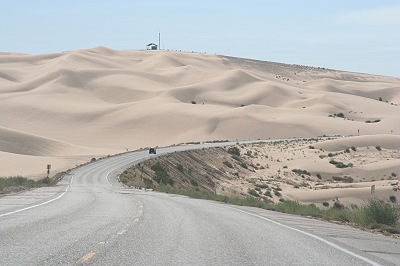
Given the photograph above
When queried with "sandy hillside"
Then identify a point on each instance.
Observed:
(322, 172)
(67, 107)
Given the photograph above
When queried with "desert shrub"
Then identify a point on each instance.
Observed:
(340, 115)
(301, 172)
(378, 148)
(392, 199)
(347, 150)
(93, 160)
(373, 121)
(161, 176)
(393, 174)
(234, 151)
(193, 102)
(194, 182)
(268, 193)
(228, 164)
(179, 167)
(311, 147)
(277, 193)
(353, 148)
(244, 165)
(338, 205)
(262, 185)
(253, 192)
(338, 164)
(379, 212)
(325, 204)
(319, 176)
(346, 179)
(237, 158)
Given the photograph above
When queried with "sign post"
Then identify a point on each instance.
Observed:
(373, 192)
(48, 170)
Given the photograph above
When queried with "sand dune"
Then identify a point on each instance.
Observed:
(97, 101)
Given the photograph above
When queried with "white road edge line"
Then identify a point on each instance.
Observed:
(313, 236)
(108, 181)
(41, 204)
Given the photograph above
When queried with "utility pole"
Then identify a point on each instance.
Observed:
(159, 40)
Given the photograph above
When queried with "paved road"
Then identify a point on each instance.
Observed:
(91, 219)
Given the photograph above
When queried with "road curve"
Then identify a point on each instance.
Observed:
(89, 218)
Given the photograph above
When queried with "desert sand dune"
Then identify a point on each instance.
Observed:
(97, 101)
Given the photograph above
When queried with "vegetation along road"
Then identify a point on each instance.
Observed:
(90, 218)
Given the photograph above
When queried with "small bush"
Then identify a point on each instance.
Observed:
(378, 148)
(373, 121)
(268, 193)
(228, 164)
(341, 115)
(253, 192)
(301, 172)
(393, 174)
(179, 167)
(319, 176)
(339, 164)
(277, 193)
(244, 165)
(338, 205)
(262, 185)
(234, 151)
(325, 204)
(353, 148)
(193, 102)
(161, 176)
(346, 179)
(392, 199)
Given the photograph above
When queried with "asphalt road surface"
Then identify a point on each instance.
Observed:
(89, 218)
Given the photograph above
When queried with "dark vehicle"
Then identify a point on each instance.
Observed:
(152, 151)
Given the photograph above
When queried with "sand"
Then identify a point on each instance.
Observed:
(65, 108)
(272, 164)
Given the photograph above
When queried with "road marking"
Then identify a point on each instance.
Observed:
(311, 235)
(87, 257)
(41, 204)
(121, 232)
(108, 181)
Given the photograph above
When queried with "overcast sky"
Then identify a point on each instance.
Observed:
(354, 35)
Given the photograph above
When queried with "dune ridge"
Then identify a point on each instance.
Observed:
(99, 101)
